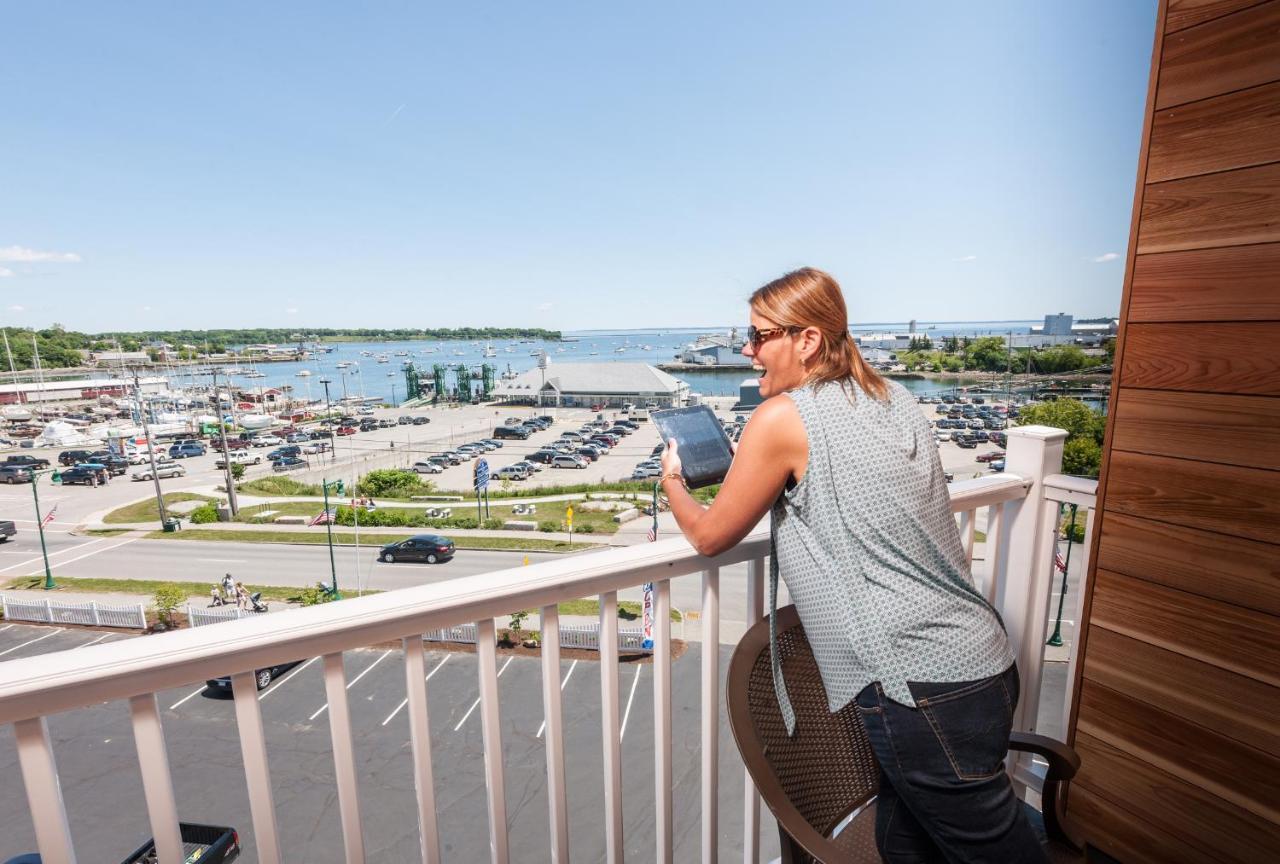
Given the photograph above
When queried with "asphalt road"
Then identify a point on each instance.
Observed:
(97, 761)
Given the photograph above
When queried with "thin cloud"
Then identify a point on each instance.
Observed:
(545, 307)
(1105, 257)
(24, 255)
(965, 259)
(16, 308)
(396, 113)
(5, 272)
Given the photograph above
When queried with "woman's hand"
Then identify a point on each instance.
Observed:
(671, 458)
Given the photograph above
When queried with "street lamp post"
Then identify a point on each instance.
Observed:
(151, 449)
(44, 551)
(328, 524)
(328, 413)
(226, 458)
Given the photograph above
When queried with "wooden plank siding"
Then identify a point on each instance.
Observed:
(1176, 699)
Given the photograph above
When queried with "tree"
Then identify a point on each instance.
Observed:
(951, 345)
(168, 597)
(392, 483)
(1082, 452)
(988, 353)
(1062, 358)
(920, 343)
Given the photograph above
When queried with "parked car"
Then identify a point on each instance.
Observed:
(493, 445)
(298, 438)
(442, 460)
(239, 457)
(67, 457)
(643, 471)
(289, 463)
(7, 529)
(565, 460)
(591, 454)
(463, 455)
(421, 421)
(286, 452)
(519, 432)
(116, 465)
(543, 456)
(267, 441)
(316, 447)
(512, 472)
(428, 467)
(262, 677)
(990, 457)
(365, 411)
(431, 548)
(531, 467)
(346, 430)
(16, 474)
(183, 451)
(162, 470)
(966, 443)
(84, 475)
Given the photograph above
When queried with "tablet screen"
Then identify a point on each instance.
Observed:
(705, 455)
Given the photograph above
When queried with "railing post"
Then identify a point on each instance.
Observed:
(1022, 580)
(142, 617)
(48, 611)
(93, 607)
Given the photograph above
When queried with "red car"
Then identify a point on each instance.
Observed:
(993, 456)
(346, 430)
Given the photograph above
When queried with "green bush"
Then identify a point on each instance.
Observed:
(587, 529)
(168, 597)
(393, 483)
(313, 596)
(281, 486)
(492, 524)
(237, 470)
(1077, 535)
(204, 514)
(548, 525)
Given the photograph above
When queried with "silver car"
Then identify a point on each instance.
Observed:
(163, 470)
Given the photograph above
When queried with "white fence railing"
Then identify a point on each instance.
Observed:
(90, 614)
(1017, 575)
(200, 617)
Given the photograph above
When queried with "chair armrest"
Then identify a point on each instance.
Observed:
(1063, 761)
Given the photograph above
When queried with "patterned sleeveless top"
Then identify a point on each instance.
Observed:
(871, 554)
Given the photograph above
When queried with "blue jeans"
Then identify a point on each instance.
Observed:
(944, 794)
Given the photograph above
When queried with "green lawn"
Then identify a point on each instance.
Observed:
(370, 538)
(600, 522)
(628, 610)
(148, 511)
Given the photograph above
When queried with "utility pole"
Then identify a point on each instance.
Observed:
(328, 415)
(151, 449)
(226, 457)
(44, 551)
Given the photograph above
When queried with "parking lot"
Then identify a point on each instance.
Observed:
(98, 764)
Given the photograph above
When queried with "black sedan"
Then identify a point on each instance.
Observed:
(431, 548)
(262, 677)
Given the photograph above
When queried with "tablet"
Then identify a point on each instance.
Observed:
(703, 446)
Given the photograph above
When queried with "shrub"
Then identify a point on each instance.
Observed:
(548, 526)
(392, 483)
(237, 470)
(204, 514)
(168, 597)
(281, 486)
(587, 529)
(493, 524)
(313, 596)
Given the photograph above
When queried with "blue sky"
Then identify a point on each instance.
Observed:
(563, 165)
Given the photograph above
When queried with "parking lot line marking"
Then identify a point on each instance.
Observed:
(265, 693)
(351, 684)
(5, 627)
(199, 689)
(572, 666)
(405, 701)
(99, 639)
(30, 642)
(634, 681)
(477, 702)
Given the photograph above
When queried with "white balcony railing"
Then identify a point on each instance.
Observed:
(1018, 509)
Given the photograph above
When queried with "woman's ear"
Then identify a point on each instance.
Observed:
(810, 342)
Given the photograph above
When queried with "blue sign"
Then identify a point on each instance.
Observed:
(482, 473)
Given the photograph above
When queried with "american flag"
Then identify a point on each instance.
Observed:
(1059, 561)
(653, 531)
(324, 518)
(48, 517)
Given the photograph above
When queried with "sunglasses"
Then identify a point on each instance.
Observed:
(758, 337)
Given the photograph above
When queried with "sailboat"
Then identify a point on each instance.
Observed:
(489, 350)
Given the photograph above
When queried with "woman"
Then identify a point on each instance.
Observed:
(871, 555)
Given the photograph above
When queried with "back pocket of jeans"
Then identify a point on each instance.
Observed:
(972, 724)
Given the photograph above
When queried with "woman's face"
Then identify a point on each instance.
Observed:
(776, 358)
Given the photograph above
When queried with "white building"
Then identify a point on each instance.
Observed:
(76, 388)
(579, 384)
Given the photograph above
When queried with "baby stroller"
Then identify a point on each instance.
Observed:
(255, 602)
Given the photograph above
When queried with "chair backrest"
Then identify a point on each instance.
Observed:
(815, 778)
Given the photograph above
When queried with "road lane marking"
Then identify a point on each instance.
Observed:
(51, 554)
(96, 551)
(572, 666)
(477, 702)
(199, 689)
(406, 699)
(225, 560)
(635, 681)
(325, 706)
(281, 682)
(30, 642)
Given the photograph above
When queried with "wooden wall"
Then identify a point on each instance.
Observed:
(1177, 717)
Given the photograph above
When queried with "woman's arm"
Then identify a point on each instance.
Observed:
(773, 449)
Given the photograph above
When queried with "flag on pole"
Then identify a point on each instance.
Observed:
(652, 534)
(325, 517)
(1059, 562)
(48, 517)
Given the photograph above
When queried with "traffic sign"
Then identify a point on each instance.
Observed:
(482, 474)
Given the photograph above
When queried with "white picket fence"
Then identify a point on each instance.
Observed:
(586, 636)
(199, 617)
(95, 614)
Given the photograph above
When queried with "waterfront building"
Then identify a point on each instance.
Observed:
(578, 384)
(1057, 325)
(713, 350)
(75, 389)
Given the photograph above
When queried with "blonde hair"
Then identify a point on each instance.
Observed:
(809, 297)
